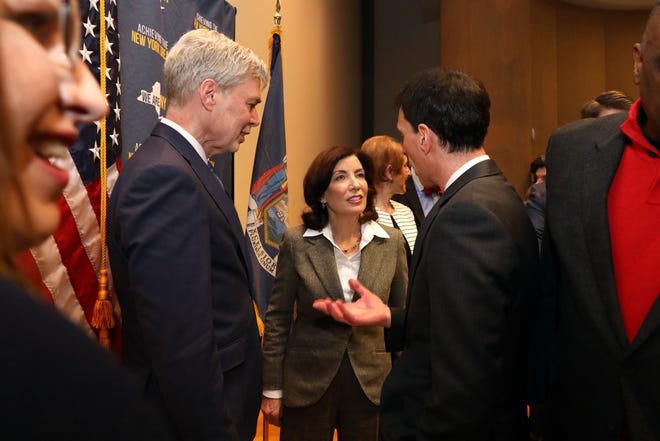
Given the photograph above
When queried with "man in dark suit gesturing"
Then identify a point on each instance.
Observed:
(461, 375)
(178, 253)
(601, 251)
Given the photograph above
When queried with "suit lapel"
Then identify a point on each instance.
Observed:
(650, 324)
(320, 253)
(209, 181)
(372, 260)
(419, 245)
(481, 169)
(598, 173)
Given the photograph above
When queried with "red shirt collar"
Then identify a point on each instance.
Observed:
(630, 127)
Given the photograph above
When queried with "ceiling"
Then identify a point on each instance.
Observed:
(614, 4)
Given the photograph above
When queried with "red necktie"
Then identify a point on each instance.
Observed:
(430, 191)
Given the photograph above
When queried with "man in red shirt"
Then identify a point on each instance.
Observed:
(600, 253)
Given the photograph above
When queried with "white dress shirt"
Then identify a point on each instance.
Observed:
(191, 139)
(348, 267)
(465, 167)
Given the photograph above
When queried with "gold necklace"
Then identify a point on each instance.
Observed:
(354, 246)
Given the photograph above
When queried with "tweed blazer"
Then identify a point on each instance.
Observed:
(303, 348)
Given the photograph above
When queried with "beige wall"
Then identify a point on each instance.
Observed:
(487, 39)
(594, 54)
(577, 54)
(406, 40)
(540, 61)
(322, 73)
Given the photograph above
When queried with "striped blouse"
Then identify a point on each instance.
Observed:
(403, 219)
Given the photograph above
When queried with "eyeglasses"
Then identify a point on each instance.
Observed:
(55, 29)
(66, 56)
(70, 28)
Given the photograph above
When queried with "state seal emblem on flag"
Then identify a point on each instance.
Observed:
(267, 215)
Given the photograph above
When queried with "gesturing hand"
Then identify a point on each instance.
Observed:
(369, 309)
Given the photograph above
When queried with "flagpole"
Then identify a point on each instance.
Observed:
(103, 316)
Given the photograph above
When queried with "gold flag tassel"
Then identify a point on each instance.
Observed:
(103, 318)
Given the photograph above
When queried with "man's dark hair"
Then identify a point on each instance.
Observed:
(615, 99)
(611, 99)
(451, 103)
(317, 180)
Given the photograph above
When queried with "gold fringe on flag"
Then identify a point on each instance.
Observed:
(103, 317)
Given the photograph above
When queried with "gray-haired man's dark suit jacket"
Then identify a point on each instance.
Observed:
(178, 257)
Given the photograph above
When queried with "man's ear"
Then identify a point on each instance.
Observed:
(208, 93)
(425, 137)
(637, 63)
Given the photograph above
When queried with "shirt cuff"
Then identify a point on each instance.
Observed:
(273, 394)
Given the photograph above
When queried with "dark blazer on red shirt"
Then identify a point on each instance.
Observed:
(599, 385)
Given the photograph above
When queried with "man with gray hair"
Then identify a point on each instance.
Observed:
(177, 249)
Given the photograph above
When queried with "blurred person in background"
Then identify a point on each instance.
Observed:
(58, 383)
(606, 103)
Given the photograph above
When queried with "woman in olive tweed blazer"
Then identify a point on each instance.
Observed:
(316, 369)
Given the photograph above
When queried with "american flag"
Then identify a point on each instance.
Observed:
(66, 266)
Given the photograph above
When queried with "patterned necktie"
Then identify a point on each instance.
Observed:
(215, 175)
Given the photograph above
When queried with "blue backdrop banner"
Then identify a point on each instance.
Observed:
(147, 30)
